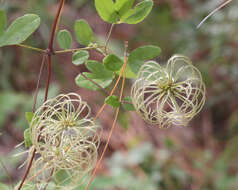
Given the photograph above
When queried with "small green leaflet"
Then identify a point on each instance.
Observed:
(99, 74)
(112, 62)
(82, 82)
(139, 55)
(139, 13)
(106, 10)
(3, 21)
(64, 39)
(83, 32)
(113, 101)
(80, 57)
(20, 30)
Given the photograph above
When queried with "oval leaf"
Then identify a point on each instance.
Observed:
(80, 57)
(64, 39)
(139, 13)
(139, 55)
(20, 30)
(106, 10)
(83, 82)
(83, 32)
(113, 101)
(3, 21)
(112, 62)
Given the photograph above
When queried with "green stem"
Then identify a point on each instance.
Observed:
(108, 37)
(72, 50)
(32, 48)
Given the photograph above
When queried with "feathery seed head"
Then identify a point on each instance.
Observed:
(170, 95)
(64, 135)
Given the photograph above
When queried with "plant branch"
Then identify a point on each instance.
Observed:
(38, 83)
(31, 48)
(50, 52)
(72, 50)
(214, 11)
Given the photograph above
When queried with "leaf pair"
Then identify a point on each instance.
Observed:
(83, 32)
(19, 30)
(122, 12)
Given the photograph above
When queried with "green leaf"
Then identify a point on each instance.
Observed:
(98, 69)
(123, 6)
(20, 30)
(113, 101)
(64, 39)
(139, 13)
(80, 57)
(139, 55)
(83, 32)
(3, 21)
(27, 138)
(29, 116)
(106, 10)
(85, 83)
(128, 104)
(112, 62)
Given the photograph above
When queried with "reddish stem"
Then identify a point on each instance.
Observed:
(50, 52)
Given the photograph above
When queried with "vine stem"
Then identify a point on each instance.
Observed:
(115, 119)
(50, 52)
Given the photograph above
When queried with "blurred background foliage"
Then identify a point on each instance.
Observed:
(200, 157)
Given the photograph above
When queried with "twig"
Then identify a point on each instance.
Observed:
(38, 83)
(108, 37)
(213, 12)
(50, 52)
(32, 48)
(95, 83)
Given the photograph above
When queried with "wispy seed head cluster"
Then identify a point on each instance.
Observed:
(168, 95)
(64, 135)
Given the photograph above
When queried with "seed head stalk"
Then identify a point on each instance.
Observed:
(115, 119)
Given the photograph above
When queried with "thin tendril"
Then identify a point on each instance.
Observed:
(213, 12)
